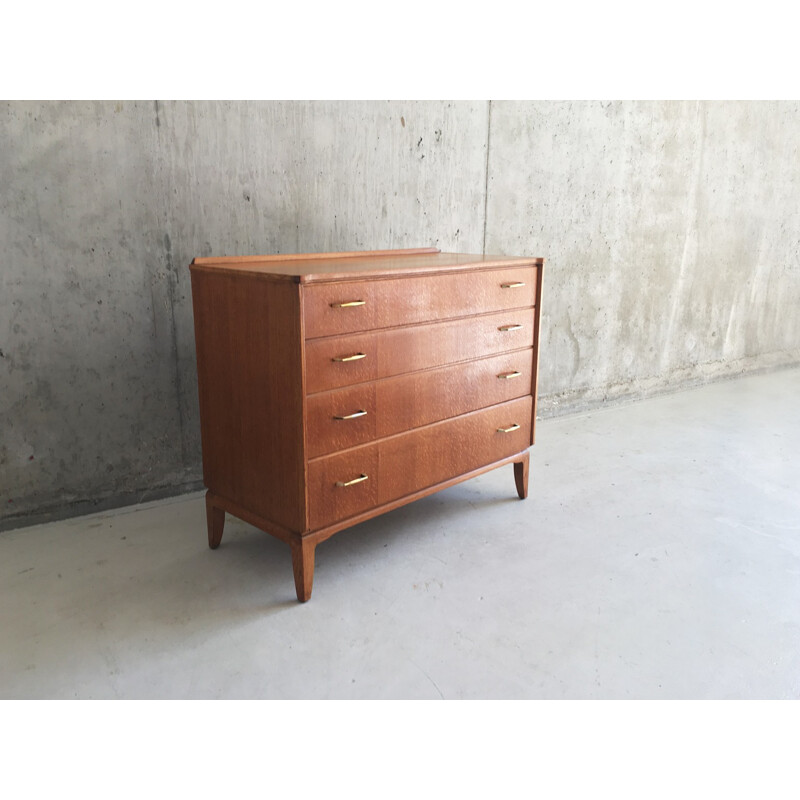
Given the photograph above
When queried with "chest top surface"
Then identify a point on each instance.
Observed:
(322, 267)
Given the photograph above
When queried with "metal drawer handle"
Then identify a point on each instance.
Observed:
(514, 427)
(355, 357)
(512, 285)
(510, 327)
(355, 480)
(349, 304)
(507, 376)
(351, 416)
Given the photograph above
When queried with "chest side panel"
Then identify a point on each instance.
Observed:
(249, 371)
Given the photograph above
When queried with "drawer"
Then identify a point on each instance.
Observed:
(351, 306)
(347, 360)
(336, 420)
(328, 501)
(403, 464)
(354, 415)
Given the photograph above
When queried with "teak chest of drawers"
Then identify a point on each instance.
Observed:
(336, 386)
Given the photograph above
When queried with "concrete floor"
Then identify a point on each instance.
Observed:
(657, 556)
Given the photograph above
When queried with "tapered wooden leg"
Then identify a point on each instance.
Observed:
(521, 476)
(215, 519)
(303, 566)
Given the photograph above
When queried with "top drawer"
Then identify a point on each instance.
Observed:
(352, 306)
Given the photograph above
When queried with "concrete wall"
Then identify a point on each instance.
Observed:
(672, 233)
(104, 205)
(673, 237)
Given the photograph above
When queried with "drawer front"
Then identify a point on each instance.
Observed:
(415, 460)
(430, 455)
(328, 501)
(337, 419)
(348, 360)
(351, 306)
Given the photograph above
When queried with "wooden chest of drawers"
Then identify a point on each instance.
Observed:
(334, 387)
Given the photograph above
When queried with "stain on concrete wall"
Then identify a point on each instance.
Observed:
(104, 205)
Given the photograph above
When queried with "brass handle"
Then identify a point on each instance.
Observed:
(349, 304)
(355, 480)
(509, 327)
(351, 416)
(355, 357)
(512, 285)
(507, 376)
(514, 427)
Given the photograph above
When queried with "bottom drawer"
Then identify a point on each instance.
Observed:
(343, 485)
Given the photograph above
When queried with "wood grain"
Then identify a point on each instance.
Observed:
(322, 534)
(286, 257)
(410, 401)
(248, 340)
(396, 351)
(372, 267)
(327, 501)
(403, 301)
(402, 464)
(432, 454)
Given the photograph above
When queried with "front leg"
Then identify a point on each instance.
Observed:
(303, 565)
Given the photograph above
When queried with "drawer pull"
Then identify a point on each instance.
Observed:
(515, 285)
(507, 376)
(355, 480)
(355, 414)
(349, 304)
(354, 357)
(510, 328)
(514, 427)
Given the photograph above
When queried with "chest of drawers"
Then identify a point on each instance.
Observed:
(334, 387)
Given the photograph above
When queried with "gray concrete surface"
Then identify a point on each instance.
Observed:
(673, 236)
(672, 233)
(657, 556)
